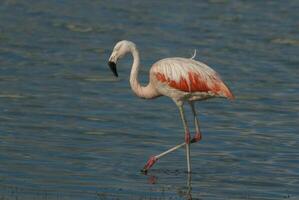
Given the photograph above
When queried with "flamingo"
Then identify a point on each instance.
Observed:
(181, 79)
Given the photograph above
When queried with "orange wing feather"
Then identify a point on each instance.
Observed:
(196, 83)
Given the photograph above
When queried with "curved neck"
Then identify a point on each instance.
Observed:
(147, 92)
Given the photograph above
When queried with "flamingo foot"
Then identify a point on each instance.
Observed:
(149, 164)
(196, 138)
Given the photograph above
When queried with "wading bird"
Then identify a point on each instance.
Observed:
(181, 79)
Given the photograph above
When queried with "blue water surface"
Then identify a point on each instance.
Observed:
(70, 130)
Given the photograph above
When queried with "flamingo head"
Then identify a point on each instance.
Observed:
(120, 50)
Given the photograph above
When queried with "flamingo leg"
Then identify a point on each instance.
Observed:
(198, 135)
(187, 137)
(153, 159)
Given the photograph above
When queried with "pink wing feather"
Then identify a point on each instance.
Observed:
(188, 75)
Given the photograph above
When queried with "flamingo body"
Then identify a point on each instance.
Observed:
(187, 79)
(181, 79)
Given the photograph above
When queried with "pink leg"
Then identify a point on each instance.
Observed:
(187, 137)
(152, 160)
(198, 136)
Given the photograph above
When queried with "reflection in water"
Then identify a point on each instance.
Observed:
(152, 179)
(189, 187)
(185, 191)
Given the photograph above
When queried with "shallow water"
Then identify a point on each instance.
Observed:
(70, 130)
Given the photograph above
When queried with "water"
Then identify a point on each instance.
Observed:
(70, 130)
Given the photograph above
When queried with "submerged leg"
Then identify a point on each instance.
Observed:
(198, 135)
(187, 137)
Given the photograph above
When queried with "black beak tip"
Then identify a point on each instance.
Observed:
(112, 66)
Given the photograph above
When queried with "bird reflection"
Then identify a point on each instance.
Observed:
(189, 188)
(184, 192)
(152, 179)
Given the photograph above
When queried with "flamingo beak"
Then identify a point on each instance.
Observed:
(112, 66)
